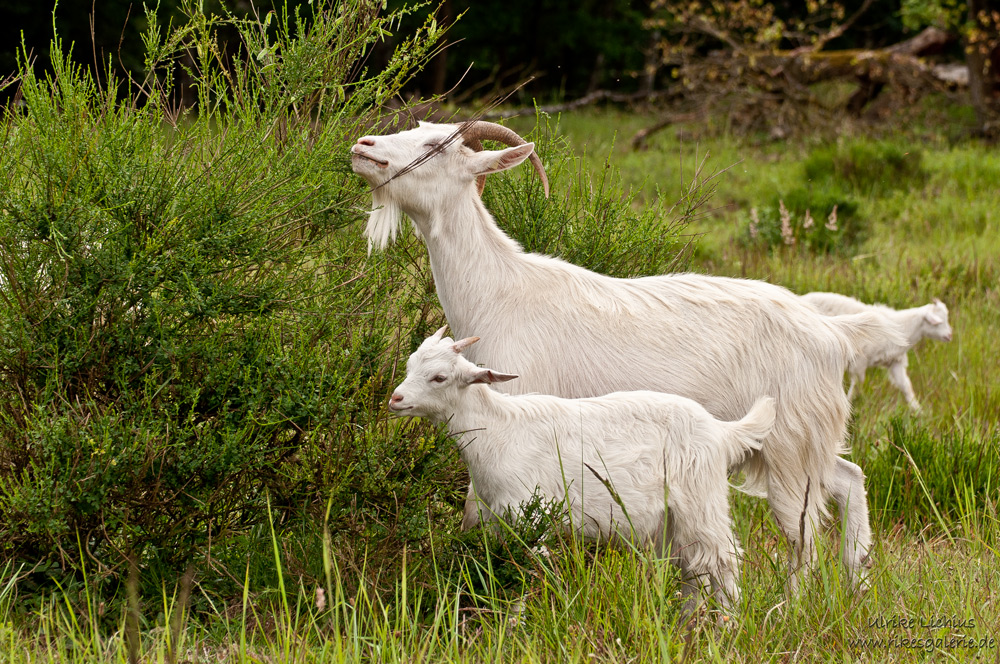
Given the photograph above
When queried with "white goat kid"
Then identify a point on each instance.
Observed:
(651, 449)
(724, 343)
(927, 322)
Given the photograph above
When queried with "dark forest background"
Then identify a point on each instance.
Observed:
(569, 47)
(531, 51)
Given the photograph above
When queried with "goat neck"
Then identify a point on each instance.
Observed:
(909, 322)
(479, 424)
(469, 255)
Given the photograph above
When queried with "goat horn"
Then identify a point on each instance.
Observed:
(462, 344)
(476, 131)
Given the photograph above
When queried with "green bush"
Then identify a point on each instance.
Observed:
(919, 478)
(821, 223)
(589, 221)
(184, 326)
(820, 215)
(865, 167)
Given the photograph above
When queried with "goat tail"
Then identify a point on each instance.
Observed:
(746, 435)
(871, 338)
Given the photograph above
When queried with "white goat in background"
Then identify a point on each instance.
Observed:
(613, 461)
(929, 321)
(724, 343)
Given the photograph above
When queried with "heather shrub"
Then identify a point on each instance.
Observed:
(185, 325)
(818, 222)
(819, 211)
(591, 220)
(919, 478)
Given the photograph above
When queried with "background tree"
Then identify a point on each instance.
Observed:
(566, 48)
(978, 24)
(99, 34)
(759, 61)
(765, 53)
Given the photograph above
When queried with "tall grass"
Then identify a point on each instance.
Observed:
(579, 602)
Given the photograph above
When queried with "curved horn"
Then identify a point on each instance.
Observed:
(475, 131)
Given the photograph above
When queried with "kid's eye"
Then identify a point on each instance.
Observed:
(438, 379)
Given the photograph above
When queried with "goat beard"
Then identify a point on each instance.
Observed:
(383, 222)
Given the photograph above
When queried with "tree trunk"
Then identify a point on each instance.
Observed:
(438, 66)
(983, 78)
(650, 66)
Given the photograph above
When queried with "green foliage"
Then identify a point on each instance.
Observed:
(872, 168)
(944, 14)
(590, 220)
(921, 478)
(792, 222)
(820, 215)
(496, 562)
(174, 290)
(566, 48)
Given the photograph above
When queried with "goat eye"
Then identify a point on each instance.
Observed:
(432, 146)
(438, 379)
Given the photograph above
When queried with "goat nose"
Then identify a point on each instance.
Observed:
(395, 398)
(366, 140)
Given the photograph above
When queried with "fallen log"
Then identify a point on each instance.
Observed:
(783, 77)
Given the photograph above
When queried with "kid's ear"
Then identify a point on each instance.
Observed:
(493, 161)
(933, 319)
(488, 376)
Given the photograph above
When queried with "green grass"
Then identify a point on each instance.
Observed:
(931, 478)
(582, 603)
(371, 566)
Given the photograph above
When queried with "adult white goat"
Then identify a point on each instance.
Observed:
(724, 343)
(613, 462)
(929, 321)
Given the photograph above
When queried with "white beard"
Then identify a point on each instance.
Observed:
(383, 222)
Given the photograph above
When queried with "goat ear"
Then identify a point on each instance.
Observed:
(488, 376)
(462, 344)
(933, 319)
(493, 161)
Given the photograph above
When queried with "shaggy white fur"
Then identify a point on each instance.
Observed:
(614, 462)
(927, 322)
